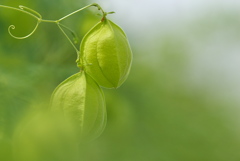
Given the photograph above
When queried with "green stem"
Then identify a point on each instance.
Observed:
(21, 10)
(31, 10)
(49, 21)
(68, 38)
(38, 16)
(75, 37)
(94, 4)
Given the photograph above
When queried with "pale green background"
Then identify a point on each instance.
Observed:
(180, 102)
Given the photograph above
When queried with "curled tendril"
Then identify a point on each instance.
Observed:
(39, 19)
(29, 11)
(12, 27)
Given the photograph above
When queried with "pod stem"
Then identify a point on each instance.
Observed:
(59, 25)
(39, 19)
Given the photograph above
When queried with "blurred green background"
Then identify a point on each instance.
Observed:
(180, 102)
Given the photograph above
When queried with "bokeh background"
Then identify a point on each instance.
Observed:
(180, 102)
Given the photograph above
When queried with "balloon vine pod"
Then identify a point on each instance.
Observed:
(106, 54)
(104, 59)
(82, 101)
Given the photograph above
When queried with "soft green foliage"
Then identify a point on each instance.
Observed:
(81, 100)
(106, 54)
(43, 136)
(5, 149)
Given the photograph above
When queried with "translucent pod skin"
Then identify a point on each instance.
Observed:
(105, 54)
(82, 101)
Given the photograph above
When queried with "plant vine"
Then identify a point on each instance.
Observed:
(39, 19)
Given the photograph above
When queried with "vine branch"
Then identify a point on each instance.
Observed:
(39, 19)
(68, 38)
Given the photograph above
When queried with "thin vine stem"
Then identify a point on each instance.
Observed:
(50, 21)
(68, 38)
(75, 37)
(39, 19)
(94, 4)
(21, 10)
(31, 10)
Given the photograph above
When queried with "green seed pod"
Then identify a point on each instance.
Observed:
(106, 54)
(82, 101)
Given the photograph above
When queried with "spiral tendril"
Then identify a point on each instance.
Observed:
(31, 11)
(28, 11)
(39, 19)
(12, 27)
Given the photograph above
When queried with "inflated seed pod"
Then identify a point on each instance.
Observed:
(106, 54)
(81, 100)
